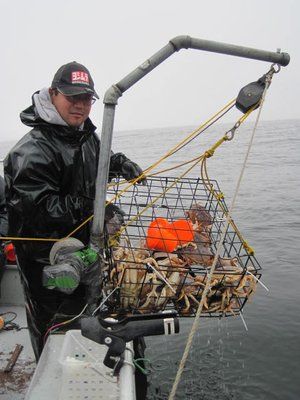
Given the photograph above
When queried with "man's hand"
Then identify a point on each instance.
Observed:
(114, 219)
(121, 165)
(130, 171)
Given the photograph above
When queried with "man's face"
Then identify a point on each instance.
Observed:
(74, 110)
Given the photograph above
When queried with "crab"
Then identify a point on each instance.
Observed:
(149, 281)
(145, 283)
(226, 287)
(231, 287)
(200, 218)
(192, 287)
(130, 272)
(199, 251)
(168, 272)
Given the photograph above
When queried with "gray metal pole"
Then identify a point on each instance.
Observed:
(114, 92)
(230, 49)
(102, 176)
(147, 66)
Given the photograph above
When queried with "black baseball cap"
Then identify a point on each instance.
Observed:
(72, 79)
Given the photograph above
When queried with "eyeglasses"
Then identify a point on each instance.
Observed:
(85, 98)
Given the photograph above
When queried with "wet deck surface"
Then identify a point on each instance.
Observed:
(45, 381)
(14, 384)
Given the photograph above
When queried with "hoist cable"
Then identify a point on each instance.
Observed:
(219, 247)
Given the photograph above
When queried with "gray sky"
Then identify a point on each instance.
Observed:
(112, 38)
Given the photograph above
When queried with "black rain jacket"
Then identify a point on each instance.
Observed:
(50, 177)
(3, 212)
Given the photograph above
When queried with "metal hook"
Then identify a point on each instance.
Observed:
(275, 68)
(230, 134)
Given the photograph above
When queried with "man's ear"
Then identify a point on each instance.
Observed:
(52, 93)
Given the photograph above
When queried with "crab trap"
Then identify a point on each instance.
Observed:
(161, 258)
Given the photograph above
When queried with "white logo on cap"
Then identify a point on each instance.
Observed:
(80, 77)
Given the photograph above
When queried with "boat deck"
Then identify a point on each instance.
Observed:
(14, 384)
(77, 378)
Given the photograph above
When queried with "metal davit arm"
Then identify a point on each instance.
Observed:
(115, 91)
(232, 50)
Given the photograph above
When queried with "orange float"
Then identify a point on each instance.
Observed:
(165, 236)
(183, 230)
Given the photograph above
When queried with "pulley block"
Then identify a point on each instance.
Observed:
(250, 95)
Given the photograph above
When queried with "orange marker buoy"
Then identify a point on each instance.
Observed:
(183, 230)
(161, 236)
(165, 236)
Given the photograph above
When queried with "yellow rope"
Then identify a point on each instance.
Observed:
(189, 137)
(150, 168)
(113, 241)
(210, 152)
(204, 175)
(170, 152)
(209, 186)
(219, 197)
(28, 239)
(80, 226)
(176, 166)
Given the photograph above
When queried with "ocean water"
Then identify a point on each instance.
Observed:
(226, 361)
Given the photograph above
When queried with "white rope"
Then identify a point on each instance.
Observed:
(161, 277)
(243, 320)
(258, 280)
(207, 286)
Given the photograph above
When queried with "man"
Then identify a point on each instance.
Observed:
(50, 187)
(3, 226)
(3, 212)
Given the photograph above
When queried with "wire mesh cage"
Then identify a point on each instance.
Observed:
(163, 255)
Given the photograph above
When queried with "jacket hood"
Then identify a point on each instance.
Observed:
(43, 113)
(45, 109)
